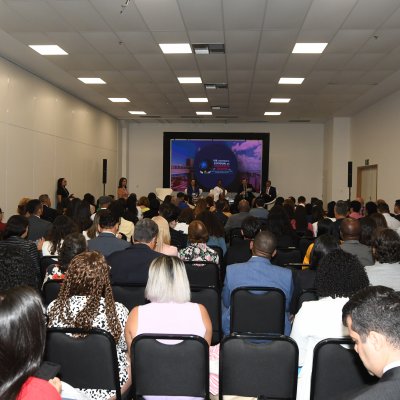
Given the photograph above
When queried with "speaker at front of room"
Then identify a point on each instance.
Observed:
(104, 170)
(349, 174)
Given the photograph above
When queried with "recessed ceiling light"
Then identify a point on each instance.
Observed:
(272, 113)
(309, 48)
(194, 79)
(49, 50)
(291, 81)
(92, 81)
(198, 99)
(279, 100)
(175, 48)
(137, 113)
(203, 112)
(119, 99)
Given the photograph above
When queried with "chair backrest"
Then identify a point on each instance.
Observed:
(306, 295)
(286, 256)
(50, 290)
(257, 310)
(87, 362)
(258, 365)
(210, 298)
(337, 370)
(177, 368)
(202, 274)
(45, 262)
(219, 251)
(130, 295)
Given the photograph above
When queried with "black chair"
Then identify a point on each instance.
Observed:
(235, 234)
(50, 290)
(263, 366)
(87, 362)
(285, 256)
(210, 298)
(304, 243)
(202, 274)
(170, 369)
(222, 266)
(130, 295)
(306, 295)
(337, 371)
(45, 262)
(257, 310)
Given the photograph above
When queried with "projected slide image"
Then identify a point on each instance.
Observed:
(207, 161)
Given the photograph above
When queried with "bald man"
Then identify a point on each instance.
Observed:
(350, 232)
(258, 271)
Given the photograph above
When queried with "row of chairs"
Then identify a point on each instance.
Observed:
(263, 366)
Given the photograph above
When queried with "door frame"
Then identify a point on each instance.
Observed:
(359, 177)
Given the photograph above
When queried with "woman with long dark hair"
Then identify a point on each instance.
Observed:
(122, 192)
(62, 193)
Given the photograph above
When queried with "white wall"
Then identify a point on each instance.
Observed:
(296, 154)
(375, 135)
(45, 134)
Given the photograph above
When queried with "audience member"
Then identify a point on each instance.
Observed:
(126, 227)
(350, 232)
(355, 208)
(48, 213)
(216, 233)
(197, 249)
(373, 318)
(93, 231)
(240, 250)
(278, 223)
(154, 206)
(258, 271)
(367, 230)
(370, 208)
(86, 301)
(331, 210)
(219, 212)
(106, 242)
(22, 342)
(396, 210)
(62, 226)
(163, 245)
(380, 220)
(181, 200)
(21, 208)
(79, 211)
(38, 228)
(171, 213)
(317, 214)
(258, 210)
(392, 222)
(341, 211)
(201, 205)
(73, 244)
(235, 220)
(386, 252)
(132, 264)
(89, 199)
(2, 224)
(184, 219)
(131, 212)
(339, 276)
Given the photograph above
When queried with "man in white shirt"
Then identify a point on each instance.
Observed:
(392, 222)
(373, 318)
(218, 190)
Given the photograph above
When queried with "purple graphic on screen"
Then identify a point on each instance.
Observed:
(207, 161)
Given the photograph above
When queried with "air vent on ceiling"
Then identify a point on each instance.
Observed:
(150, 116)
(212, 48)
(300, 120)
(213, 86)
(219, 108)
(226, 116)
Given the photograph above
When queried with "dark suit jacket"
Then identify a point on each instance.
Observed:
(270, 196)
(238, 252)
(38, 228)
(49, 214)
(106, 243)
(387, 388)
(132, 264)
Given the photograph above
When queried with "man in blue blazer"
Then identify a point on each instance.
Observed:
(258, 271)
(373, 318)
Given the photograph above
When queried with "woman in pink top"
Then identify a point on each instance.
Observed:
(170, 310)
(163, 244)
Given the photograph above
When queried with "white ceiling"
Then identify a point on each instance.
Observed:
(360, 65)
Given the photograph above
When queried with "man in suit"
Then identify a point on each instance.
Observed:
(48, 214)
(132, 264)
(258, 271)
(107, 242)
(270, 192)
(258, 210)
(38, 228)
(372, 316)
(245, 191)
(350, 230)
(235, 220)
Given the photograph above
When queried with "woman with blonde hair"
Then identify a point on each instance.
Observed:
(163, 244)
(86, 301)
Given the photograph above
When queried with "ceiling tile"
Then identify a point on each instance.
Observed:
(278, 41)
(287, 14)
(239, 14)
(201, 15)
(242, 41)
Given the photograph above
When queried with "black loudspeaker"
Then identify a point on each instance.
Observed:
(104, 170)
(349, 174)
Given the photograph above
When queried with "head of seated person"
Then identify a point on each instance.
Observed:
(323, 245)
(386, 246)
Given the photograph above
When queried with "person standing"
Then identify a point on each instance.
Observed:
(122, 192)
(62, 193)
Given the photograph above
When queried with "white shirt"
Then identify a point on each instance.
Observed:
(217, 191)
(392, 223)
(384, 274)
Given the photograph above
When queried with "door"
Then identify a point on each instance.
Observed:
(367, 182)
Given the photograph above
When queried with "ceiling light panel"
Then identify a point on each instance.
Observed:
(194, 79)
(137, 112)
(175, 48)
(309, 48)
(119, 99)
(291, 81)
(198, 99)
(92, 81)
(272, 113)
(49, 50)
(203, 112)
(279, 100)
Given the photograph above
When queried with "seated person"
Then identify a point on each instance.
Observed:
(216, 233)
(85, 300)
(339, 276)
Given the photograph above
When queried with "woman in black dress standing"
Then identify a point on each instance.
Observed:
(62, 193)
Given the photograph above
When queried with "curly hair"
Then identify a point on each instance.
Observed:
(87, 275)
(340, 274)
(386, 246)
